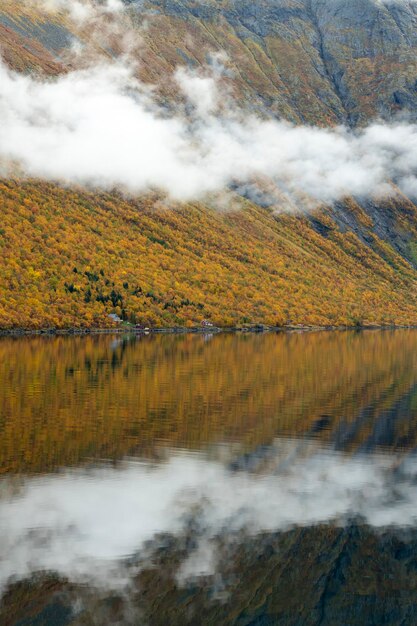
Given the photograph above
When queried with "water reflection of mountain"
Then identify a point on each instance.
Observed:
(391, 426)
(66, 400)
(306, 576)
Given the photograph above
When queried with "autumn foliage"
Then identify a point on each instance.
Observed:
(71, 257)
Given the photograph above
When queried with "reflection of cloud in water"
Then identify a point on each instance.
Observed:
(81, 524)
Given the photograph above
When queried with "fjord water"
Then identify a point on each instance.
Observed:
(219, 479)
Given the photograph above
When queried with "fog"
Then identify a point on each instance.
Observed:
(101, 127)
(82, 524)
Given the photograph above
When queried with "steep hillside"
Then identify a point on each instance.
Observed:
(70, 257)
(316, 61)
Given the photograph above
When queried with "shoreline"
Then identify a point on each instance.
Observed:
(179, 330)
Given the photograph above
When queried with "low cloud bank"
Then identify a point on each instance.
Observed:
(82, 12)
(100, 126)
(83, 524)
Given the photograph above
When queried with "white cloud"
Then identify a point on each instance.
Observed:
(99, 126)
(83, 524)
(81, 11)
(201, 91)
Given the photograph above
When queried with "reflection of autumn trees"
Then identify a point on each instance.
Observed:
(66, 400)
(71, 257)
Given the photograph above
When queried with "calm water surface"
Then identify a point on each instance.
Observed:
(198, 479)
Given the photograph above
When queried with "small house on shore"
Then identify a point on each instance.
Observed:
(115, 318)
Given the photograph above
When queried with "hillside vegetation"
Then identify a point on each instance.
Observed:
(69, 258)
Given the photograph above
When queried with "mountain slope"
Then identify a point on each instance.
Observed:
(70, 257)
(315, 61)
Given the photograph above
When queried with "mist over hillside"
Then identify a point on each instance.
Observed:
(319, 61)
(285, 116)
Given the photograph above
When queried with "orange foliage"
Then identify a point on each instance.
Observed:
(70, 257)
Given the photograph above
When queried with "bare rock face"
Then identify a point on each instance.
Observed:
(368, 48)
(326, 60)
(309, 61)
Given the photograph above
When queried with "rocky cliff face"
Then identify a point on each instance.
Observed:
(320, 61)
(312, 61)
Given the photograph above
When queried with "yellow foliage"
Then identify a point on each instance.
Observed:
(83, 255)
